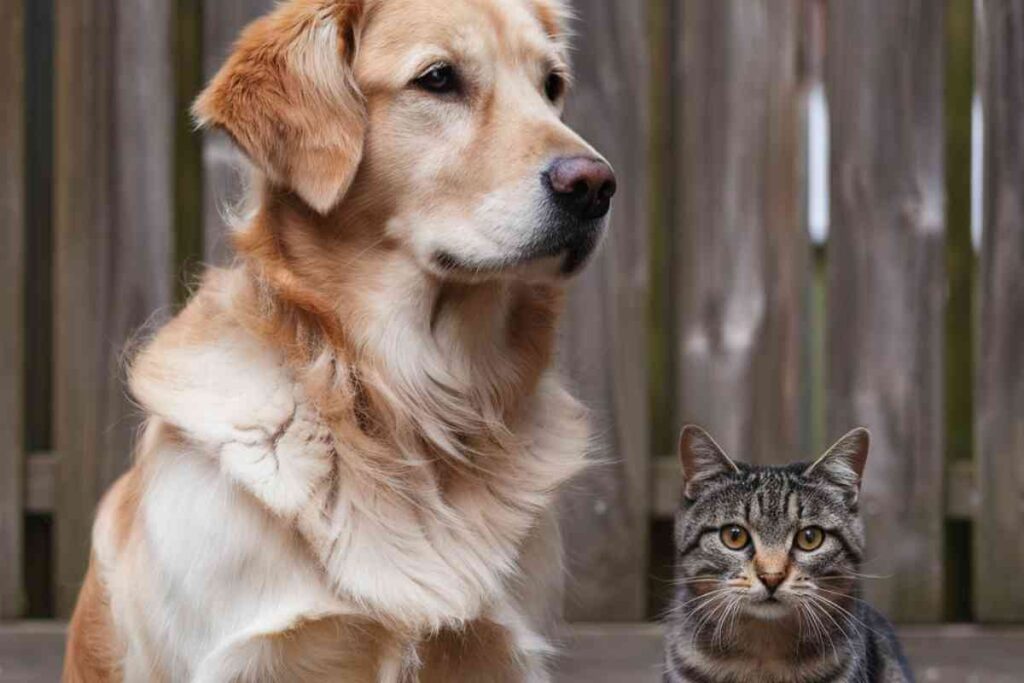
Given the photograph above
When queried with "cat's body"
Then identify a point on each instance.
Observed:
(768, 562)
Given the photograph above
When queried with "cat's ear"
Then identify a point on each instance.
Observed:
(287, 96)
(843, 463)
(702, 460)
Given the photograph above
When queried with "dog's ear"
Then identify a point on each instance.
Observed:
(288, 98)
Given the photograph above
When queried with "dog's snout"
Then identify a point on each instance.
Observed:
(582, 185)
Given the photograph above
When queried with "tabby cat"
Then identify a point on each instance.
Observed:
(768, 561)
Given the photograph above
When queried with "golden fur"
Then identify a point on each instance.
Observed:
(351, 455)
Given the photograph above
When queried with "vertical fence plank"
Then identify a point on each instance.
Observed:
(114, 130)
(223, 20)
(740, 247)
(12, 268)
(606, 515)
(886, 282)
(999, 428)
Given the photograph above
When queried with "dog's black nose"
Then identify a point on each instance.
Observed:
(582, 185)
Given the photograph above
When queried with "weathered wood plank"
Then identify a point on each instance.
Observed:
(41, 483)
(12, 269)
(741, 252)
(224, 167)
(887, 285)
(605, 519)
(38, 368)
(114, 130)
(999, 426)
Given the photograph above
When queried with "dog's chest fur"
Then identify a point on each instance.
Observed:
(396, 527)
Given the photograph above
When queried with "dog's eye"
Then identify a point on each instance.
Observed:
(554, 86)
(440, 78)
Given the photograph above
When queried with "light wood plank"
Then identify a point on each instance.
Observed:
(999, 411)
(887, 284)
(114, 131)
(741, 252)
(224, 167)
(12, 270)
(605, 519)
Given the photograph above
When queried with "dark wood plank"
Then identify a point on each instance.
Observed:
(887, 284)
(960, 266)
(114, 131)
(605, 516)
(188, 147)
(38, 370)
(224, 167)
(12, 270)
(999, 426)
(741, 251)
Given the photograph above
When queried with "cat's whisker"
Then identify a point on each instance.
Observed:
(841, 594)
(851, 576)
(848, 614)
(735, 615)
(810, 620)
(720, 626)
(713, 616)
(822, 632)
(718, 603)
(828, 614)
(696, 579)
(706, 600)
(709, 594)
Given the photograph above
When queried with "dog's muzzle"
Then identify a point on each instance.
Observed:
(580, 191)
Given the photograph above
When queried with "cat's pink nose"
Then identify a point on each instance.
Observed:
(772, 580)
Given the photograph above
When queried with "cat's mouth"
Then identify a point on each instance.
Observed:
(768, 608)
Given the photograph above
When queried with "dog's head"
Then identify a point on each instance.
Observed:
(442, 118)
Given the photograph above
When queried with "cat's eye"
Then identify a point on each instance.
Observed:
(440, 79)
(734, 537)
(810, 538)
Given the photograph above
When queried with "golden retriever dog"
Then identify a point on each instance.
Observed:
(354, 436)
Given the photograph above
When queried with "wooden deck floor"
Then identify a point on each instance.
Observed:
(31, 653)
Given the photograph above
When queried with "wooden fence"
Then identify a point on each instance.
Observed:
(709, 302)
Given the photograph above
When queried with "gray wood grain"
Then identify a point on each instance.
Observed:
(12, 269)
(114, 130)
(999, 411)
(741, 251)
(605, 521)
(887, 284)
(225, 168)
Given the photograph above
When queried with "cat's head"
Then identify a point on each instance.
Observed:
(769, 542)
